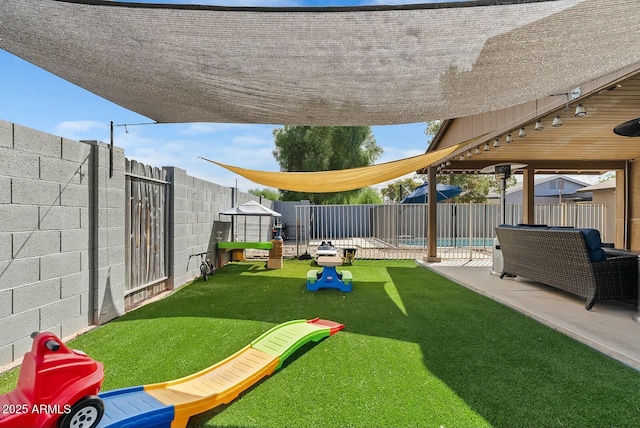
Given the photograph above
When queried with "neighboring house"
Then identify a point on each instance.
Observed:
(605, 193)
(551, 189)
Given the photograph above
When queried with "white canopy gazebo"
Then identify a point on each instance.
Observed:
(252, 209)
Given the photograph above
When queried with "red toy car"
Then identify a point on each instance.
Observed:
(57, 387)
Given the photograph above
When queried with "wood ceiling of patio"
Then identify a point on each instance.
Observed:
(581, 145)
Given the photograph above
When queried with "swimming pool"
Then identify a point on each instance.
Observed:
(448, 242)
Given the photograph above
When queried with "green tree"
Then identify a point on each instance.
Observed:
(368, 195)
(475, 187)
(608, 176)
(270, 194)
(398, 189)
(432, 127)
(324, 148)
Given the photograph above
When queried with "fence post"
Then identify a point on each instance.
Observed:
(471, 231)
(107, 240)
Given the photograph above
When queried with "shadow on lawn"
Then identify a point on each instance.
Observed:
(508, 368)
(251, 292)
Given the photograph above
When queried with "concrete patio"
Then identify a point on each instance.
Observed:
(609, 327)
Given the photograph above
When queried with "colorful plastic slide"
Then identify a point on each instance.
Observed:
(171, 404)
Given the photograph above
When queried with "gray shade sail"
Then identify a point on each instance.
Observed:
(251, 208)
(339, 66)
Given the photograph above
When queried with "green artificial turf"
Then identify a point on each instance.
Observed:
(417, 350)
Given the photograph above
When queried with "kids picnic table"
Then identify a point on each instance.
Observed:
(329, 277)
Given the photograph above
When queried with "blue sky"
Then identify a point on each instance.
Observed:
(40, 100)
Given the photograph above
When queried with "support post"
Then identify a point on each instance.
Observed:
(621, 210)
(636, 317)
(432, 209)
(528, 195)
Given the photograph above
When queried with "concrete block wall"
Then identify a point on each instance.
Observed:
(288, 211)
(195, 224)
(52, 239)
(107, 223)
(62, 234)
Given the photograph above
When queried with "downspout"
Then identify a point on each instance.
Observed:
(93, 310)
(233, 217)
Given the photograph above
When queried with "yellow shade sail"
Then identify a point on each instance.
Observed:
(343, 179)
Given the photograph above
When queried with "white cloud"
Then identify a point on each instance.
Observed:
(158, 147)
(252, 140)
(245, 157)
(78, 130)
(392, 153)
(244, 145)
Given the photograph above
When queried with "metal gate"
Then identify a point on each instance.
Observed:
(146, 228)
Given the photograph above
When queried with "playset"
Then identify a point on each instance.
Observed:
(59, 387)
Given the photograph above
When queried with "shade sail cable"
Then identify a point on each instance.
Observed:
(340, 180)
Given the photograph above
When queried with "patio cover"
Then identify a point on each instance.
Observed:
(323, 66)
(340, 180)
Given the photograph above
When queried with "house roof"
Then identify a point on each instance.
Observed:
(605, 184)
(541, 180)
(323, 66)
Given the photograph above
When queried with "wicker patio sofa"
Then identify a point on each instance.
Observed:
(569, 259)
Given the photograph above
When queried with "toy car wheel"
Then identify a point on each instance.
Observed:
(86, 413)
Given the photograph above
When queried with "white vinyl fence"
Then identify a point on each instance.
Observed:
(399, 231)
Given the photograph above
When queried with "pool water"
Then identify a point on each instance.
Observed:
(448, 242)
